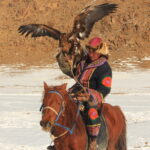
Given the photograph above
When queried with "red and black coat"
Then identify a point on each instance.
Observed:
(96, 76)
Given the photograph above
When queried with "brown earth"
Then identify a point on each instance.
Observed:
(127, 31)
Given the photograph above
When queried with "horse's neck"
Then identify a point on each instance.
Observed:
(69, 115)
(70, 118)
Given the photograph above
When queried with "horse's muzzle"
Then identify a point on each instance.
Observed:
(45, 124)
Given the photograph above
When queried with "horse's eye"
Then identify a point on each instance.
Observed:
(59, 103)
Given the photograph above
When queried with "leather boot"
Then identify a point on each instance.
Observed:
(50, 147)
(92, 143)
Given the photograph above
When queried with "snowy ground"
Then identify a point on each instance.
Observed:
(20, 99)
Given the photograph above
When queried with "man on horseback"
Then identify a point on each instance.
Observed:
(93, 76)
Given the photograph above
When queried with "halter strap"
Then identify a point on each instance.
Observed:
(70, 130)
(61, 109)
(48, 107)
(58, 93)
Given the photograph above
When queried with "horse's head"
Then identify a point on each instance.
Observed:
(53, 105)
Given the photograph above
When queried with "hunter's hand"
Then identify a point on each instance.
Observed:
(81, 96)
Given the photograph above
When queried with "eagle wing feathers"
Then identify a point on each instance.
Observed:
(37, 30)
(84, 22)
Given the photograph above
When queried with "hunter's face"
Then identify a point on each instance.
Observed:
(93, 55)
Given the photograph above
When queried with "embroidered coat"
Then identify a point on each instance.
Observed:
(96, 76)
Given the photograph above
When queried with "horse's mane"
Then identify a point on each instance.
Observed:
(70, 102)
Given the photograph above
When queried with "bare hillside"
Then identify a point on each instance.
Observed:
(127, 31)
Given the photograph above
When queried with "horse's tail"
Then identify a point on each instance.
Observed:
(122, 143)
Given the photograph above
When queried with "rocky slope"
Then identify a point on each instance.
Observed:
(127, 31)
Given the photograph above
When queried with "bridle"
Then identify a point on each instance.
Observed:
(58, 114)
(62, 107)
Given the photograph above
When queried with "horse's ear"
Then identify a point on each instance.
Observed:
(64, 86)
(45, 86)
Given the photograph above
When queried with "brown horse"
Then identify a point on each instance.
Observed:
(61, 117)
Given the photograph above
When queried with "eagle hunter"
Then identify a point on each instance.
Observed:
(69, 43)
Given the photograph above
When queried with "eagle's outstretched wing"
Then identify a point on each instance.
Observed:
(37, 30)
(84, 22)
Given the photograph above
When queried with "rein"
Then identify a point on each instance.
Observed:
(62, 108)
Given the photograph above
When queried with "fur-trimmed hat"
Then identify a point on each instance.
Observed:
(95, 42)
(98, 46)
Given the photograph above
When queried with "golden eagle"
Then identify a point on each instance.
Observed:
(83, 24)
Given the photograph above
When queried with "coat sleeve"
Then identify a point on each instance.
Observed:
(103, 82)
(104, 79)
(63, 64)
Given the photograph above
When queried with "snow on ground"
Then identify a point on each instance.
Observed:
(20, 100)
